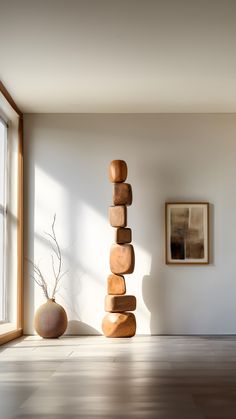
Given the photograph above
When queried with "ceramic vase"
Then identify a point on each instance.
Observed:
(50, 320)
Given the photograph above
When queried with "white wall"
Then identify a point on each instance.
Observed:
(170, 158)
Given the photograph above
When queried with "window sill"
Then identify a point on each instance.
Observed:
(7, 327)
(9, 332)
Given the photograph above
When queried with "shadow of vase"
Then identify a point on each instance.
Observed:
(76, 327)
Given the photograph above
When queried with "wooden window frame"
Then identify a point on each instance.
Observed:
(18, 331)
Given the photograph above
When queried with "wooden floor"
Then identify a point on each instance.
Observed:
(95, 377)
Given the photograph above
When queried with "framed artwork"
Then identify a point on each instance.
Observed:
(187, 233)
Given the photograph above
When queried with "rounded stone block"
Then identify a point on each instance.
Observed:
(116, 285)
(123, 235)
(119, 325)
(118, 171)
(122, 194)
(120, 303)
(118, 216)
(122, 259)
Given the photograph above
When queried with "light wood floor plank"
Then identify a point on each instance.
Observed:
(161, 377)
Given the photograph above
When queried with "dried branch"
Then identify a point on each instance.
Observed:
(58, 254)
(38, 277)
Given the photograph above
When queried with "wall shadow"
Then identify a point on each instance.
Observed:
(155, 287)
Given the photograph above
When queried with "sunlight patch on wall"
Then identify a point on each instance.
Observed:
(143, 261)
(91, 262)
(85, 238)
(50, 199)
(97, 238)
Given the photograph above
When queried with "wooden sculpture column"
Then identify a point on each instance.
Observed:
(119, 322)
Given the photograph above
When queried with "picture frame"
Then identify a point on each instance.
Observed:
(187, 233)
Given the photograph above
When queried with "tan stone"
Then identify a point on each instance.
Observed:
(118, 216)
(116, 285)
(123, 235)
(119, 325)
(120, 303)
(122, 194)
(118, 171)
(122, 259)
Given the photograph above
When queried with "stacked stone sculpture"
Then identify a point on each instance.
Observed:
(119, 322)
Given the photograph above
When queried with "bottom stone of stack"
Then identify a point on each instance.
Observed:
(119, 325)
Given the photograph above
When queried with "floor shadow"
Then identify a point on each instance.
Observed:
(76, 327)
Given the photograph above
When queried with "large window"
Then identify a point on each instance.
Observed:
(3, 171)
(11, 217)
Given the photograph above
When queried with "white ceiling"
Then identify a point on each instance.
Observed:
(119, 55)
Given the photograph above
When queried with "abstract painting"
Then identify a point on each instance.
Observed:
(187, 233)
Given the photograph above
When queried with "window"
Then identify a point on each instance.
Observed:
(11, 218)
(3, 160)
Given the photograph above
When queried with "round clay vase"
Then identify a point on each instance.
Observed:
(50, 320)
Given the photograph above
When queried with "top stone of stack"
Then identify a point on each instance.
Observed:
(118, 171)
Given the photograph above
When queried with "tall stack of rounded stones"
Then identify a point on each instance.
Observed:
(119, 322)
